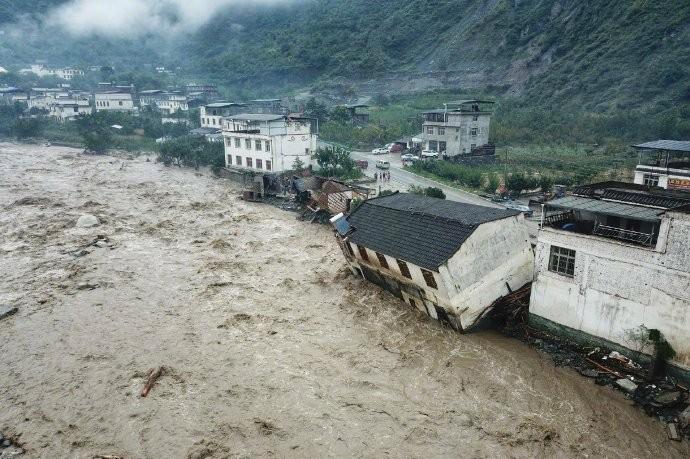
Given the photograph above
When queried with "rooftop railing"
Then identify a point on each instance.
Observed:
(634, 237)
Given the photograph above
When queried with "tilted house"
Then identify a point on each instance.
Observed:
(337, 197)
(448, 259)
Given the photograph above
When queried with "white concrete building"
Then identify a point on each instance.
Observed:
(460, 128)
(664, 163)
(150, 97)
(173, 103)
(69, 109)
(43, 98)
(41, 70)
(267, 143)
(450, 260)
(612, 257)
(212, 115)
(114, 101)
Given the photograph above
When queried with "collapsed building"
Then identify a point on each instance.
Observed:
(450, 260)
(611, 258)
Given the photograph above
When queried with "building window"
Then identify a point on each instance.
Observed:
(249, 162)
(473, 131)
(430, 130)
(229, 160)
(363, 253)
(651, 180)
(228, 141)
(475, 118)
(404, 270)
(248, 144)
(238, 160)
(237, 142)
(257, 145)
(562, 261)
(268, 165)
(120, 103)
(382, 260)
(268, 145)
(259, 164)
(429, 278)
(441, 131)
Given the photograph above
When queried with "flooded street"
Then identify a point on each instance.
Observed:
(270, 346)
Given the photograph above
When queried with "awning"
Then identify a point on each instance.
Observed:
(598, 206)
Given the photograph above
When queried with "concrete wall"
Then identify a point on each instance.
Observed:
(496, 253)
(458, 132)
(618, 287)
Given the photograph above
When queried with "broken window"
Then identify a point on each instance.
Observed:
(562, 261)
(429, 278)
(404, 270)
(363, 253)
(382, 260)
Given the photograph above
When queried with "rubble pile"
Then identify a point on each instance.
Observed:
(662, 398)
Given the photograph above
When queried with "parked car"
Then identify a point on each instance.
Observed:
(429, 154)
(383, 164)
(379, 151)
(409, 157)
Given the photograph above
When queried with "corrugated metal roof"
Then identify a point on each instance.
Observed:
(225, 105)
(673, 145)
(607, 208)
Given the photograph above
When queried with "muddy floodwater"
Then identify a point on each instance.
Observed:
(269, 346)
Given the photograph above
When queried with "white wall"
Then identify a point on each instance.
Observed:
(497, 252)
(618, 287)
(114, 102)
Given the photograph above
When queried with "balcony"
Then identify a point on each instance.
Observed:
(568, 221)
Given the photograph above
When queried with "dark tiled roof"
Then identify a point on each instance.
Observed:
(632, 193)
(671, 145)
(423, 231)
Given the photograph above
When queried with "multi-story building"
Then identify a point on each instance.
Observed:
(172, 103)
(41, 70)
(207, 92)
(150, 97)
(212, 115)
(114, 101)
(69, 109)
(267, 143)
(43, 98)
(611, 258)
(664, 163)
(450, 260)
(460, 128)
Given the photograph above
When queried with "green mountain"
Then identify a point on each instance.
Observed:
(597, 55)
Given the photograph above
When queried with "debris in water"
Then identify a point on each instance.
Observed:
(87, 221)
(6, 311)
(153, 376)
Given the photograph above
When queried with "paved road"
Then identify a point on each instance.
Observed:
(401, 179)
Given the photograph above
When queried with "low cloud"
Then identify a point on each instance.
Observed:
(131, 18)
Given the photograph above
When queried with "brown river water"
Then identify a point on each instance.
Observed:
(270, 347)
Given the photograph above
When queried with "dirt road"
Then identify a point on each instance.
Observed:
(269, 347)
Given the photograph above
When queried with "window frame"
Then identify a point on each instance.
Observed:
(382, 260)
(238, 142)
(363, 252)
(562, 261)
(259, 163)
(248, 144)
(429, 278)
(404, 269)
(249, 162)
(257, 145)
(268, 165)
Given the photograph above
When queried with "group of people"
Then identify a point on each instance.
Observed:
(384, 176)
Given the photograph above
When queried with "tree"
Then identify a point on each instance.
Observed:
(95, 131)
(298, 165)
(336, 162)
(492, 183)
(430, 192)
(25, 128)
(546, 183)
(313, 109)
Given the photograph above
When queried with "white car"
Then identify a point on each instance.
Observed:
(429, 154)
(409, 157)
(379, 151)
(383, 164)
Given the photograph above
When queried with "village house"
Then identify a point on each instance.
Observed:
(460, 128)
(69, 109)
(208, 92)
(355, 117)
(150, 97)
(42, 70)
(612, 257)
(664, 163)
(114, 101)
(172, 103)
(9, 95)
(267, 143)
(448, 259)
(43, 98)
(336, 197)
(212, 115)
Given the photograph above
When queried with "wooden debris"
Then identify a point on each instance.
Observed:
(673, 431)
(152, 377)
(606, 369)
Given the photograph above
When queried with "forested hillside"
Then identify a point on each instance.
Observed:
(603, 55)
